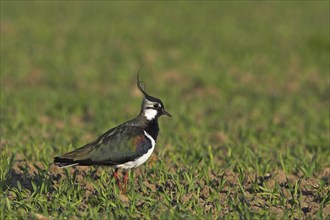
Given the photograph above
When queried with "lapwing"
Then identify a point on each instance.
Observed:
(126, 146)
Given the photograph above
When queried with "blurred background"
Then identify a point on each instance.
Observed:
(233, 74)
(247, 84)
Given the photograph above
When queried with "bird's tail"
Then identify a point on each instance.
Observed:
(76, 157)
(64, 162)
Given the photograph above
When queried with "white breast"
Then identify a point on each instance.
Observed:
(137, 162)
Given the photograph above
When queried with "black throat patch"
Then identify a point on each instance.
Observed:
(153, 128)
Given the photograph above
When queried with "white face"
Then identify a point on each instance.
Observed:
(150, 112)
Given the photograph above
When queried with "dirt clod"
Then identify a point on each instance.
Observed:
(151, 186)
(205, 192)
(185, 198)
(123, 198)
(280, 177)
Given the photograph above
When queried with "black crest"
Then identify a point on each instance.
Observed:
(138, 83)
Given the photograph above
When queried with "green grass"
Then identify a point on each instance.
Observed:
(246, 82)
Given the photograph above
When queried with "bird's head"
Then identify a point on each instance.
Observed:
(152, 107)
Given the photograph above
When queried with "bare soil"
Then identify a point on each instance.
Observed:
(307, 200)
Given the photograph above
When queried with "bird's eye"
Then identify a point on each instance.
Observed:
(156, 106)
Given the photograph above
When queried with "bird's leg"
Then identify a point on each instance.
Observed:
(115, 175)
(125, 180)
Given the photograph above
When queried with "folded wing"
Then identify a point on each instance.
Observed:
(116, 146)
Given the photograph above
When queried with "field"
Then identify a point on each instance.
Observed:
(247, 84)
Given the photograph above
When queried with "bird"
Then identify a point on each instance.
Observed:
(125, 146)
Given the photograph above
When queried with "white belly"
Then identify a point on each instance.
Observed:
(137, 162)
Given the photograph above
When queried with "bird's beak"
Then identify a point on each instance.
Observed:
(166, 113)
